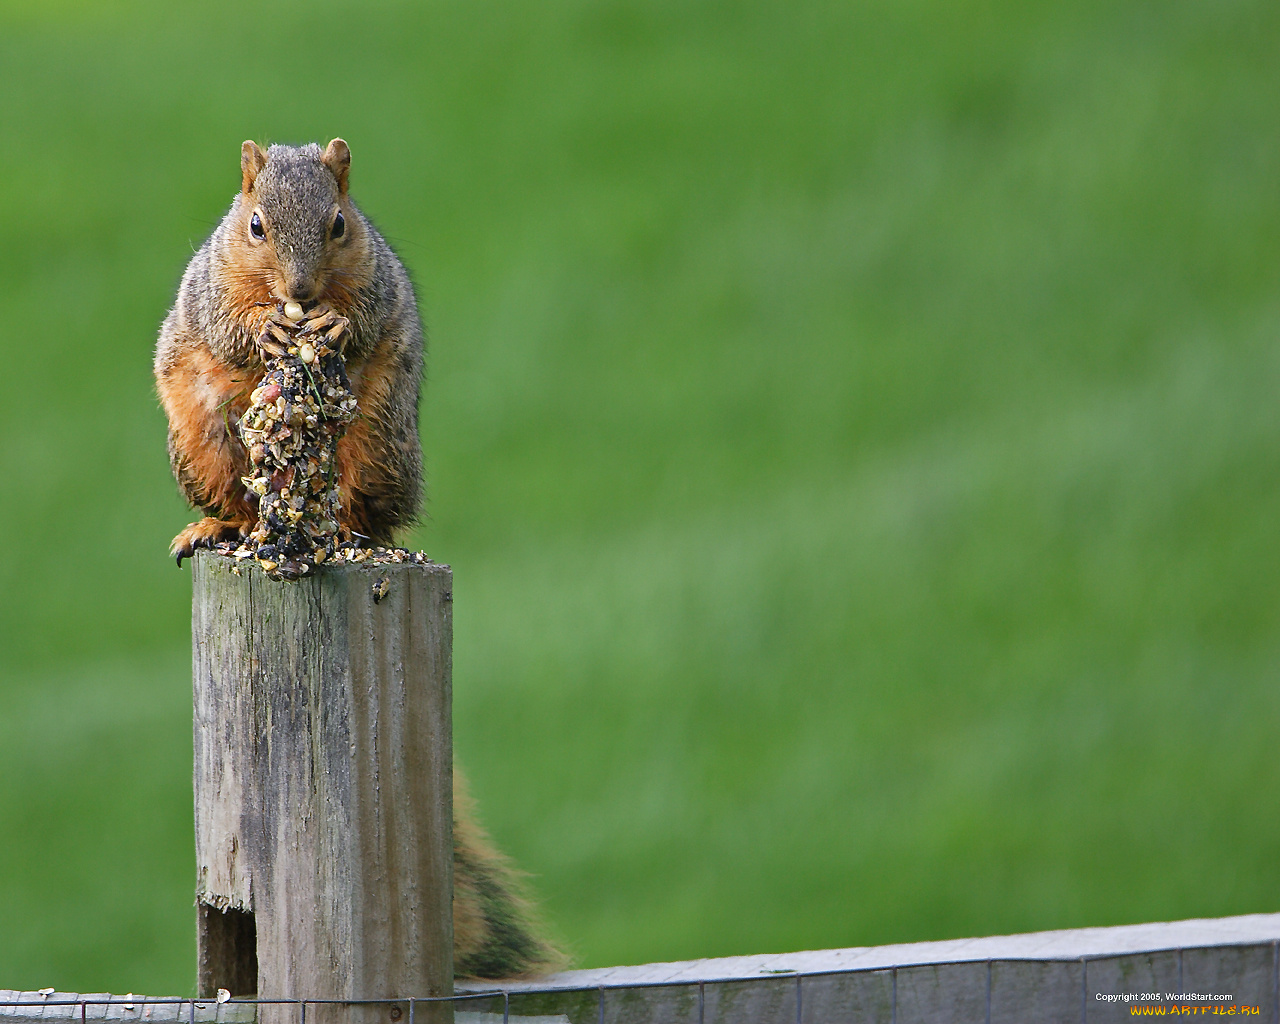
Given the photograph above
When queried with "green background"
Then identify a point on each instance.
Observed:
(853, 428)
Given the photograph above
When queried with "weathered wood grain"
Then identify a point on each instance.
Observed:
(323, 784)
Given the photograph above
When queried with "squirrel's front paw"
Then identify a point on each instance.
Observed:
(204, 534)
(323, 320)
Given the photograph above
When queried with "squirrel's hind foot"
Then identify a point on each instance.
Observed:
(204, 534)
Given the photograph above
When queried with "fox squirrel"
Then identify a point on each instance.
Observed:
(293, 235)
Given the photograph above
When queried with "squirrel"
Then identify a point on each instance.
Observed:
(293, 234)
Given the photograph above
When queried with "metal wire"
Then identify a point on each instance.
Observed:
(1084, 988)
(1275, 979)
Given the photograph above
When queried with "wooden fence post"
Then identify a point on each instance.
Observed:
(323, 787)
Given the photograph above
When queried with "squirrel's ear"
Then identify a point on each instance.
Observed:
(251, 161)
(337, 157)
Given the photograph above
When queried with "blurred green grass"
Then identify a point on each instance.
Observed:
(852, 428)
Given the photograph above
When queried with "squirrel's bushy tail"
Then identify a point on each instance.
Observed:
(495, 930)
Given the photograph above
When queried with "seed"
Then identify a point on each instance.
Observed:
(293, 311)
(266, 392)
(307, 352)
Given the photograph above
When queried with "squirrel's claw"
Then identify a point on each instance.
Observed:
(332, 326)
(204, 534)
(273, 340)
(319, 320)
(337, 335)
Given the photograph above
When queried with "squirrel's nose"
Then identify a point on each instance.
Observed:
(301, 288)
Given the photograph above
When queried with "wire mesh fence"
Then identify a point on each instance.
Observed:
(1229, 980)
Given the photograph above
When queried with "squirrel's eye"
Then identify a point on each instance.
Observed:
(339, 225)
(255, 227)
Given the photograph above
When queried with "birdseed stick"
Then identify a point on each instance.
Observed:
(291, 431)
